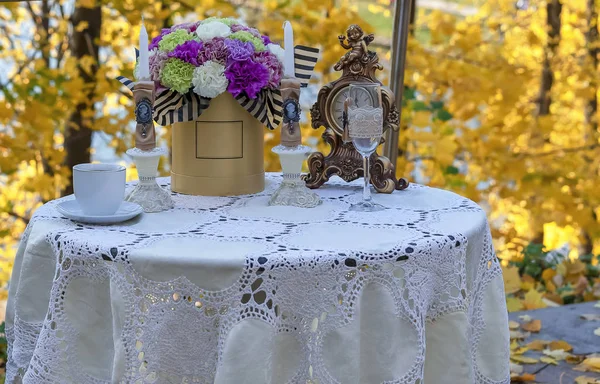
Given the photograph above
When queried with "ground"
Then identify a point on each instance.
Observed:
(565, 323)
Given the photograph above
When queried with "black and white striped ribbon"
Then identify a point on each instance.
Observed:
(172, 107)
(305, 59)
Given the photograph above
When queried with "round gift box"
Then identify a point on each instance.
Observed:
(220, 153)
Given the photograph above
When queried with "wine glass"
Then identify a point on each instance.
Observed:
(365, 126)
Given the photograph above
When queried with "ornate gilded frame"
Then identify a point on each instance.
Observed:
(344, 160)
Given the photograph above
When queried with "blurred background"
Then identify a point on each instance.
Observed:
(500, 105)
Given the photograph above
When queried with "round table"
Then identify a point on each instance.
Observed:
(230, 290)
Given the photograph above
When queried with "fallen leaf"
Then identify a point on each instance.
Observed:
(590, 364)
(552, 300)
(516, 368)
(548, 360)
(513, 304)
(533, 300)
(532, 326)
(575, 267)
(581, 285)
(574, 359)
(548, 274)
(525, 318)
(558, 354)
(520, 351)
(513, 325)
(512, 279)
(590, 296)
(523, 378)
(527, 283)
(514, 345)
(550, 286)
(537, 345)
(524, 359)
(596, 290)
(519, 335)
(585, 380)
(561, 270)
(560, 344)
(594, 317)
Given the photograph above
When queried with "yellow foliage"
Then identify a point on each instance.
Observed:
(512, 280)
(421, 118)
(513, 304)
(560, 344)
(536, 173)
(533, 300)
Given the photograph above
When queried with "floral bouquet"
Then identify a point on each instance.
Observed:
(234, 68)
(192, 63)
(213, 56)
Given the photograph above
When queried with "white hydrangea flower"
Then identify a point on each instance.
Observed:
(277, 51)
(212, 29)
(209, 79)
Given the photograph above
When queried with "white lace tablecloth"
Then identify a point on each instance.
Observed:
(229, 290)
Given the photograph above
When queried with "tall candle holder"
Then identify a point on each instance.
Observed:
(147, 193)
(292, 191)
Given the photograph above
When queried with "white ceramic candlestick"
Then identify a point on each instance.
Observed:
(292, 190)
(148, 193)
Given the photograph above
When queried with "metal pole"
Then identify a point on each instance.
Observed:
(399, 45)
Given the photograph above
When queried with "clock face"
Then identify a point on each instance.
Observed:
(336, 107)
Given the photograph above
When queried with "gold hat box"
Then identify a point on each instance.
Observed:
(219, 154)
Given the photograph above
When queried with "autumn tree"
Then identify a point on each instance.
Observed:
(59, 86)
(500, 105)
(504, 111)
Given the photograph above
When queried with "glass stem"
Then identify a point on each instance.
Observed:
(367, 189)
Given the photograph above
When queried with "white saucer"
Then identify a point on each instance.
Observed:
(126, 211)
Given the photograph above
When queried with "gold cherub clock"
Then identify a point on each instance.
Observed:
(358, 65)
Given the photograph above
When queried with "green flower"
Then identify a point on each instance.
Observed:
(225, 20)
(177, 75)
(173, 39)
(248, 37)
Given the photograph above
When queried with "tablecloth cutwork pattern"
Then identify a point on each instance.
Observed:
(424, 271)
(477, 323)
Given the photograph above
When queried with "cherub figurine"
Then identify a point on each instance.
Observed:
(358, 42)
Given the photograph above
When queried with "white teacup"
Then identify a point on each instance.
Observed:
(99, 188)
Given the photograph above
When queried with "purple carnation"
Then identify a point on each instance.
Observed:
(246, 76)
(270, 61)
(188, 52)
(266, 40)
(157, 63)
(239, 27)
(157, 39)
(190, 27)
(214, 50)
(239, 50)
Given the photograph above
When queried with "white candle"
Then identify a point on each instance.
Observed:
(288, 40)
(144, 65)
